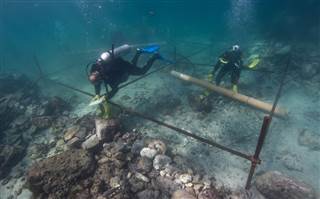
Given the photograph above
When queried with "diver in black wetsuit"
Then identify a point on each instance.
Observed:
(117, 71)
(229, 62)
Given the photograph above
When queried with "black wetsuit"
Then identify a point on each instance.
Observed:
(233, 66)
(117, 71)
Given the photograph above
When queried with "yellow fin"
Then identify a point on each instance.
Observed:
(254, 63)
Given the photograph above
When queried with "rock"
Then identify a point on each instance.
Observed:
(74, 142)
(142, 177)
(137, 147)
(144, 165)
(185, 178)
(70, 133)
(253, 193)
(149, 153)
(106, 129)
(10, 155)
(158, 145)
(309, 70)
(209, 193)
(182, 194)
(166, 185)
(97, 187)
(38, 150)
(160, 161)
(55, 176)
(136, 185)
(114, 182)
(275, 185)
(56, 106)
(198, 188)
(90, 143)
(42, 122)
(25, 194)
(87, 122)
(309, 139)
(148, 194)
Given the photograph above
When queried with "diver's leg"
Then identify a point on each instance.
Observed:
(235, 76)
(135, 59)
(141, 71)
(216, 67)
(223, 71)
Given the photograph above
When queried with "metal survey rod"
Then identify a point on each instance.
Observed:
(265, 127)
(236, 96)
(181, 131)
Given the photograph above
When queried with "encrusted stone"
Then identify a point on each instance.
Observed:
(149, 153)
(160, 161)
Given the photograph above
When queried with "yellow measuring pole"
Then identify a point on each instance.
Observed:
(264, 106)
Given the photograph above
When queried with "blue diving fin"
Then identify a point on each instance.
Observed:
(150, 49)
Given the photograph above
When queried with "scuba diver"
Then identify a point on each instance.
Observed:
(112, 70)
(230, 62)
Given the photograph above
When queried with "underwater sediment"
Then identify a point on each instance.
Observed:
(49, 152)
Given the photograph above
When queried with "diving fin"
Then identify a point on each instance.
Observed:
(254, 63)
(150, 49)
(97, 101)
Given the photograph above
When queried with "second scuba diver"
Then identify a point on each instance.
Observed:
(230, 62)
(112, 70)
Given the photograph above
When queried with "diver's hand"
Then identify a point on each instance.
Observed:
(210, 77)
(96, 97)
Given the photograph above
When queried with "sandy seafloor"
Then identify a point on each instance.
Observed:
(229, 123)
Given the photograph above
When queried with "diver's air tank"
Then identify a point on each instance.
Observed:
(117, 52)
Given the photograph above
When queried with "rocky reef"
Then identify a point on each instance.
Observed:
(51, 153)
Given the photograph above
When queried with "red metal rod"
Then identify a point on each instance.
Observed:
(255, 159)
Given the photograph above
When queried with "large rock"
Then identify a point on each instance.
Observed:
(309, 139)
(148, 153)
(55, 176)
(91, 143)
(106, 129)
(274, 185)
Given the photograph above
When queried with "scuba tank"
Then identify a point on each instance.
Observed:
(114, 53)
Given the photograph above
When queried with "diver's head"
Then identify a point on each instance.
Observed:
(235, 48)
(95, 77)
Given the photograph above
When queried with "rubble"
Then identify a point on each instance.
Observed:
(54, 176)
(274, 185)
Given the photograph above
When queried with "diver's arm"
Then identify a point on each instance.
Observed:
(97, 88)
(219, 62)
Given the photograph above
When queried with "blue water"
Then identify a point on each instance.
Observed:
(65, 35)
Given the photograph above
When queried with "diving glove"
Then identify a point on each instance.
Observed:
(235, 88)
(96, 97)
(210, 77)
